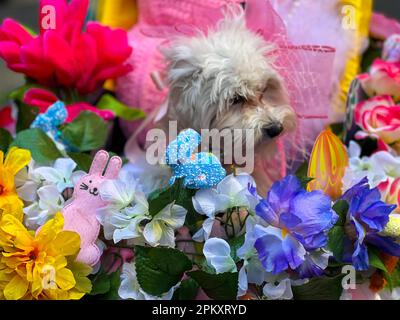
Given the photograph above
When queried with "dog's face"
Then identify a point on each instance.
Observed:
(225, 80)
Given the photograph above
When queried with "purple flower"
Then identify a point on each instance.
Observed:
(366, 217)
(298, 222)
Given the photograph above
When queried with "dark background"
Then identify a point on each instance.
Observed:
(26, 12)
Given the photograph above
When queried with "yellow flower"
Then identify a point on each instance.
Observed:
(41, 266)
(9, 201)
(328, 162)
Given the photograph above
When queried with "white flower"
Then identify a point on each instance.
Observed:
(27, 182)
(61, 175)
(150, 177)
(161, 229)
(377, 168)
(50, 202)
(218, 255)
(252, 271)
(282, 290)
(122, 192)
(130, 288)
(232, 191)
(128, 209)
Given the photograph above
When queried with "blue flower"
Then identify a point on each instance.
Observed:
(366, 217)
(298, 222)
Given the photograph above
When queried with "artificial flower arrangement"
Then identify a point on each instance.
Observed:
(75, 226)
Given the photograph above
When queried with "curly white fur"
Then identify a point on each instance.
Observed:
(225, 80)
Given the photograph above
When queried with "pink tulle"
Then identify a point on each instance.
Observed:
(306, 69)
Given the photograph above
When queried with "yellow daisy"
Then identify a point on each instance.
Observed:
(10, 203)
(41, 266)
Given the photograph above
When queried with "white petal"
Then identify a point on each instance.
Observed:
(152, 232)
(282, 291)
(206, 202)
(354, 150)
(27, 191)
(117, 193)
(205, 230)
(172, 215)
(218, 254)
(167, 237)
(229, 186)
(65, 167)
(129, 288)
(242, 282)
(49, 174)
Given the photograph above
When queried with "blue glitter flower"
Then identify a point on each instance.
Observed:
(51, 119)
(367, 216)
(199, 170)
(298, 222)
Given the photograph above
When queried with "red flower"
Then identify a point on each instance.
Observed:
(6, 118)
(66, 56)
(43, 99)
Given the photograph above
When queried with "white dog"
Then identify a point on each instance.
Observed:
(226, 80)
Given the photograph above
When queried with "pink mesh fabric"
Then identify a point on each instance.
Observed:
(306, 69)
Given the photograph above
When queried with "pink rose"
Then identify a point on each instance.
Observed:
(383, 79)
(390, 191)
(379, 117)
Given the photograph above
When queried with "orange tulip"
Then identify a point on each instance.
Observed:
(327, 165)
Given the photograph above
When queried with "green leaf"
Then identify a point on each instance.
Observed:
(341, 207)
(223, 286)
(304, 181)
(5, 140)
(105, 286)
(101, 284)
(187, 290)
(159, 269)
(83, 160)
(115, 282)
(42, 148)
(374, 259)
(235, 244)
(336, 242)
(26, 115)
(393, 279)
(322, 288)
(87, 132)
(109, 102)
(302, 171)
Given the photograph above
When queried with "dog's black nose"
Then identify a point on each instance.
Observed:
(273, 131)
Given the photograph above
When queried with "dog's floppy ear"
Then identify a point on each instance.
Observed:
(183, 67)
(276, 93)
(185, 75)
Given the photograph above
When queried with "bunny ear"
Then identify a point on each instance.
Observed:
(113, 168)
(99, 163)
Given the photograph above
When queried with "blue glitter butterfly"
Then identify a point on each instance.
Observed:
(49, 121)
(199, 170)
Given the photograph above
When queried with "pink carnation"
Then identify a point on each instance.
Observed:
(66, 56)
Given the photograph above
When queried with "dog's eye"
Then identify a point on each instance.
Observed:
(238, 99)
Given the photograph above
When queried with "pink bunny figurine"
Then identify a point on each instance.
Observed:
(80, 214)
